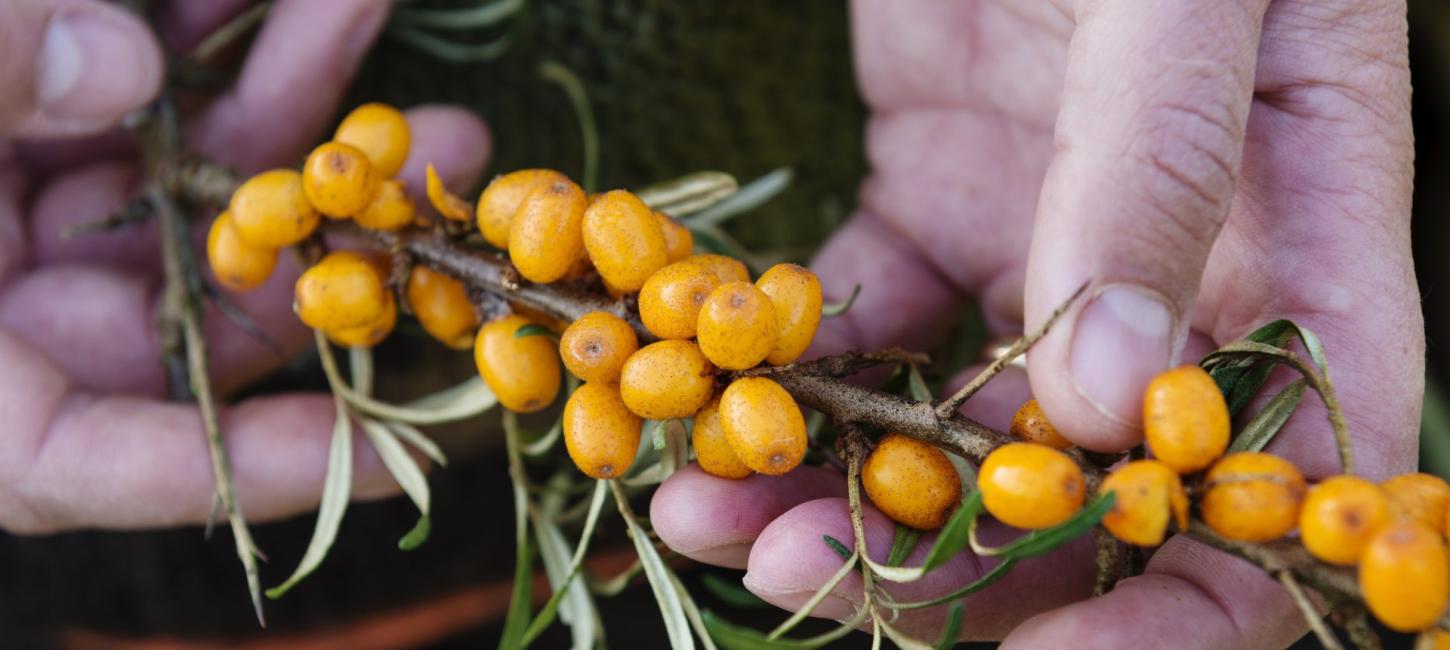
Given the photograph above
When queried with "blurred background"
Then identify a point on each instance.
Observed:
(676, 86)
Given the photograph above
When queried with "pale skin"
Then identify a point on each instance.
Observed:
(1222, 164)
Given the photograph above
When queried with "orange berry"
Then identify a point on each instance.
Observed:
(1418, 496)
(795, 292)
(342, 291)
(1031, 424)
(1404, 576)
(601, 434)
(390, 208)
(1339, 517)
(712, 446)
(236, 264)
(668, 379)
(669, 303)
(446, 203)
(1148, 493)
(546, 238)
(1185, 419)
(368, 334)
(727, 269)
(381, 133)
(500, 201)
(737, 326)
(764, 425)
(441, 305)
(339, 180)
(679, 241)
(595, 346)
(1031, 486)
(1252, 497)
(270, 210)
(624, 240)
(912, 482)
(522, 371)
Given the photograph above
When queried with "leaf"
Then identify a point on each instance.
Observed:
(917, 384)
(949, 634)
(689, 193)
(692, 613)
(547, 441)
(411, 435)
(838, 547)
(710, 242)
(816, 598)
(750, 196)
(406, 472)
(571, 587)
(465, 400)
(1040, 542)
(578, 95)
(446, 50)
(677, 627)
(517, 621)
(419, 534)
(903, 542)
(986, 580)
(360, 365)
(900, 639)
(1261, 430)
(657, 434)
(834, 309)
(954, 537)
(336, 487)
(737, 637)
(533, 329)
(731, 592)
(484, 15)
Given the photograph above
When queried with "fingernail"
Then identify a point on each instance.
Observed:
(1122, 339)
(95, 64)
(364, 28)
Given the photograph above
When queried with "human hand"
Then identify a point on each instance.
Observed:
(1208, 167)
(88, 440)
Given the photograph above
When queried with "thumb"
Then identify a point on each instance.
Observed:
(71, 67)
(1149, 138)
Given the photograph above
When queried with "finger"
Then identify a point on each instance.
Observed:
(1149, 140)
(295, 74)
(83, 197)
(716, 520)
(790, 562)
(71, 459)
(184, 23)
(72, 66)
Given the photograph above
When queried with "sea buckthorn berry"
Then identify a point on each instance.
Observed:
(668, 379)
(342, 291)
(669, 303)
(1185, 419)
(1339, 517)
(764, 425)
(522, 371)
(381, 133)
(271, 210)
(368, 334)
(727, 269)
(600, 432)
(446, 203)
(237, 265)
(501, 200)
(1252, 497)
(624, 240)
(1418, 496)
(737, 327)
(442, 307)
(1031, 486)
(547, 235)
(712, 446)
(795, 292)
(1404, 577)
(1149, 495)
(1031, 424)
(390, 208)
(339, 180)
(679, 241)
(596, 345)
(912, 482)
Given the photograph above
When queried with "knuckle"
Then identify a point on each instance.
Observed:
(1184, 163)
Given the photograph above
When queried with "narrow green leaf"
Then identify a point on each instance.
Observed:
(692, 613)
(986, 580)
(677, 626)
(484, 15)
(1040, 542)
(737, 637)
(1261, 430)
(747, 198)
(517, 621)
(418, 535)
(917, 384)
(448, 50)
(833, 309)
(580, 613)
(900, 638)
(954, 535)
(411, 435)
(657, 434)
(465, 400)
(409, 476)
(533, 329)
(336, 487)
(838, 547)
(573, 87)
(731, 591)
(689, 193)
(949, 634)
(709, 242)
(903, 542)
(360, 366)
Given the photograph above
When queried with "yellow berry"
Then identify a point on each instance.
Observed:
(679, 241)
(601, 434)
(1339, 517)
(727, 269)
(342, 291)
(390, 208)
(912, 482)
(737, 326)
(546, 238)
(368, 334)
(595, 346)
(1147, 492)
(669, 303)
(446, 203)
(441, 305)
(1418, 496)
(270, 210)
(522, 371)
(795, 292)
(1252, 497)
(1031, 424)
(624, 240)
(1030, 486)
(339, 180)
(764, 425)
(1403, 576)
(668, 379)
(381, 133)
(712, 446)
(1185, 419)
(236, 264)
(500, 201)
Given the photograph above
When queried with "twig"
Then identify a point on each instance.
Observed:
(1109, 554)
(132, 213)
(1311, 615)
